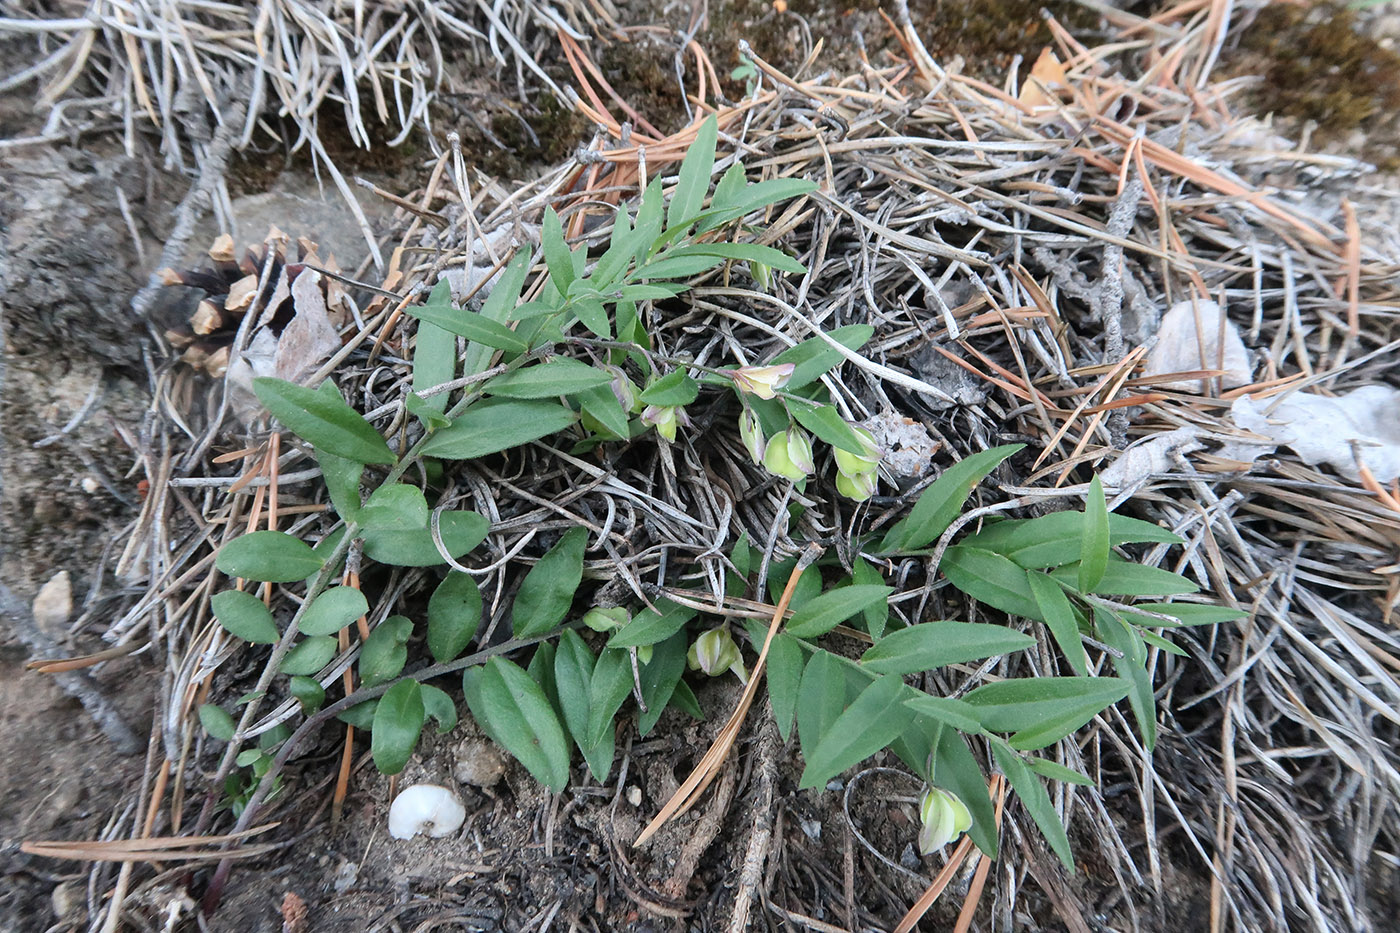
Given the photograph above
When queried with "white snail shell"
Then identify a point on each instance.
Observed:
(425, 808)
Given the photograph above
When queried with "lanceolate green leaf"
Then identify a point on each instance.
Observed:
(864, 573)
(990, 578)
(334, 609)
(742, 252)
(454, 612)
(823, 613)
(434, 356)
(556, 251)
(323, 420)
(693, 182)
(439, 313)
(659, 678)
(1058, 613)
(398, 721)
(245, 616)
(1053, 540)
(559, 376)
(494, 425)
(1094, 546)
(1133, 667)
(940, 503)
(785, 663)
(650, 626)
(612, 682)
(929, 645)
(505, 294)
(951, 712)
(874, 720)
(1125, 578)
(513, 710)
(270, 556)
(814, 357)
(573, 679)
(342, 479)
(548, 589)
(1187, 613)
(460, 532)
(820, 700)
(955, 769)
(674, 388)
(1043, 710)
(826, 423)
(601, 404)
(1036, 801)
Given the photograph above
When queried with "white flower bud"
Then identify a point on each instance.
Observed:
(944, 818)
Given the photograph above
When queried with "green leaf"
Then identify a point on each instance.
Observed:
(559, 376)
(439, 314)
(454, 612)
(820, 700)
(342, 479)
(1157, 641)
(674, 388)
(249, 756)
(1132, 666)
(1188, 613)
(1043, 710)
(460, 532)
(548, 589)
(659, 678)
(361, 715)
(383, 654)
(514, 712)
(670, 267)
(814, 357)
(334, 609)
(830, 609)
(308, 692)
(494, 425)
(245, 616)
(693, 181)
(309, 656)
(956, 770)
(217, 722)
(784, 680)
(434, 358)
(650, 627)
(556, 251)
(270, 556)
(1052, 540)
(731, 187)
(1059, 617)
(398, 721)
(1093, 550)
(622, 246)
(873, 721)
(955, 713)
(1125, 578)
(395, 507)
(438, 705)
(929, 645)
(505, 294)
(1036, 800)
(741, 252)
(684, 700)
(323, 420)
(940, 503)
(864, 573)
(1057, 772)
(808, 587)
(827, 424)
(990, 578)
(602, 405)
(612, 682)
(594, 316)
(573, 678)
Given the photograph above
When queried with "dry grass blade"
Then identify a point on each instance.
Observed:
(157, 849)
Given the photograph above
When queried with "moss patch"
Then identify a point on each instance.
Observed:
(1317, 65)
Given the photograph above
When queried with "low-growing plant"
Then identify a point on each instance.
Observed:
(514, 384)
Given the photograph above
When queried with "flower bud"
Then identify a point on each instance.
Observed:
(852, 464)
(751, 433)
(856, 486)
(665, 418)
(714, 652)
(762, 380)
(605, 620)
(944, 817)
(790, 454)
(623, 388)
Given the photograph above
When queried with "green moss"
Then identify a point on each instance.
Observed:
(1317, 66)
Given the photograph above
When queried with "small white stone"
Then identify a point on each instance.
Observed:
(425, 808)
(53, 604)
(90, 485)
(634, 795)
